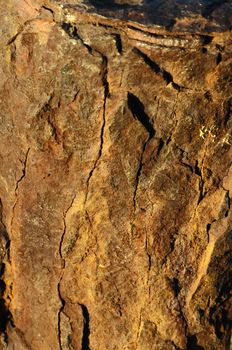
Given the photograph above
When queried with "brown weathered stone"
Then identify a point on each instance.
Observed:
(115, 175)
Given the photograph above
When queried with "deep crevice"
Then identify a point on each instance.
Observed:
(175, 346)
(65, 229)
(157, 69)
(59, 315)
(227, 109)
(206, 39)
(5, 314)
(219, 313)
(149, 257)
(220, 319)
(5, 237)
(23, 170)
(12, 40)
(160, 147)
(139, 171)
(219, 58)
(86, 328)
(208, 228)
(228, 204)
(118, 43)
(48, 9)
(72, 32)
(198, 172)
(63, 261)
(192, 343)
(105, 84)
(137, 109)
(175, 285)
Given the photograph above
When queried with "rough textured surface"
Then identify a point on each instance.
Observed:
(115, 175)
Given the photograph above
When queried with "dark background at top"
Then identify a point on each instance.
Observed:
(164, 12)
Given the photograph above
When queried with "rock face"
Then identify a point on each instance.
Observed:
(115, 175)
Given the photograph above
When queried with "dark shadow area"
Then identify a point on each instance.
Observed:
(5, 315)
(137, 109)
(156, 68)
(211, 6)
(174, 283)
(71, 30)
(86, 330)
(192, 343)
(219, 315)
(118, 43)
(166, 12)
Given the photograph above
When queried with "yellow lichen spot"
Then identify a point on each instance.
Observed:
(203, 132)
(227, 140)
(102, 266)
(213, 133)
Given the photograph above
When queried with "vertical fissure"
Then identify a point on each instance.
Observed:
(138, 112)
(59, 315)
(63, 262)
(23, 171)
(5, 314)
(198, 172)
(118, 43)
(86, 329)
(106, 95)
(5, 298)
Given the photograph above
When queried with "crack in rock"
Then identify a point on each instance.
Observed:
(63, 261)
(5, 314)
(86, 329)
(137, 110)
(168, 78)
(105, 84)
